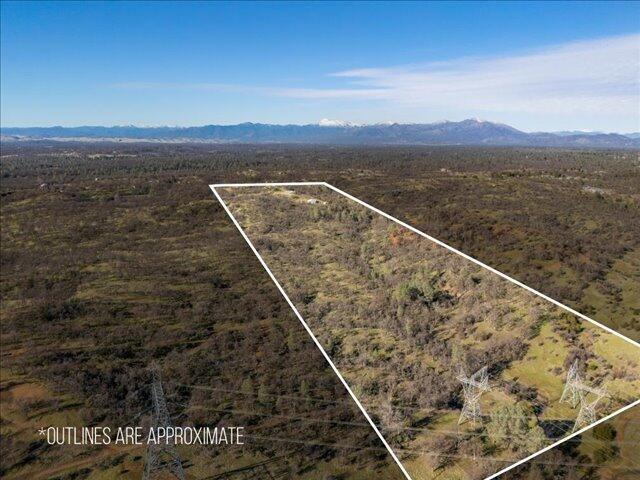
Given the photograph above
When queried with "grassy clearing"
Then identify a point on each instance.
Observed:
(540, 365)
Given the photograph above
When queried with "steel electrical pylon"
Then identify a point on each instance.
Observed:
(587, 413)
(576, 392)
(472, 388)
(571, 392)
(162, 458)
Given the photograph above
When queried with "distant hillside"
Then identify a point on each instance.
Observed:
(466, 132)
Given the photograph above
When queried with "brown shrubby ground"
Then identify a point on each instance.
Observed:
(117, 255)
(402, 316)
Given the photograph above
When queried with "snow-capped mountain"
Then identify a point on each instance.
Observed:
(466, 132)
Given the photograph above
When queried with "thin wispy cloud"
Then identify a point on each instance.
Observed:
(212, 87)
(598, 76)
(232, 88)
(592, 77)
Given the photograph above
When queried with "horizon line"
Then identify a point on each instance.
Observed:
(324, 123)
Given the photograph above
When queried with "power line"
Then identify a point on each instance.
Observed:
(161, 456)
(473, 387)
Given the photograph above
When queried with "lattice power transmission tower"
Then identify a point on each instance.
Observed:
(571, 392)
(576, 392)
(162, 459)
(473, 387)
(587, 414)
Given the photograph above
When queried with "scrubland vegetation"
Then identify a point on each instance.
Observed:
(402, 316)
(117, 255)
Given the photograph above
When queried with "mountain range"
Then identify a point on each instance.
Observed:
(465, 132)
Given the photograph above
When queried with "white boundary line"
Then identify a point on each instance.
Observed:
(304, 324)
(568, 437)
(442, 244)
(435, 240)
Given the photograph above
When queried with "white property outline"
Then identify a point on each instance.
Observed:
(442, 244)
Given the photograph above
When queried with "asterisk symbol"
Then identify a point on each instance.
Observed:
(42, 431)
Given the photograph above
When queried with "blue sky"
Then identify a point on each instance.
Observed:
(536, 66)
